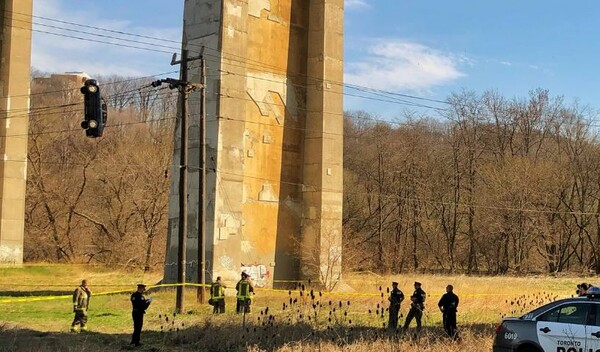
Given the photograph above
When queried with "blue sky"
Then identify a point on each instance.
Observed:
(424, 48)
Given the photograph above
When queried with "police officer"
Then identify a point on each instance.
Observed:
(448, 305)
(139, 304)
(582, 289)
(396, 297)
(417, 306)
(217, 296)
(81, 302)
(244, 294)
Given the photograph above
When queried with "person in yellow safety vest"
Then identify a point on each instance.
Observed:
(245, 290)
(217, 296)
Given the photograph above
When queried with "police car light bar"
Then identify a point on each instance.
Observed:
(593, 292)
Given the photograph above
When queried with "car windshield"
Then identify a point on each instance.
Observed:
(534, 313)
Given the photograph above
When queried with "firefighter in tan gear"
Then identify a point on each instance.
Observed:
(245, 291)
(81, 302)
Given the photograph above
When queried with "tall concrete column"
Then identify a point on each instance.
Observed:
(274, 139)
(15, 62)
(323, 143)
(202, 27)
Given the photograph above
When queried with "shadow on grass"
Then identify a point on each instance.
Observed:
(26, 340)
(7, 294)
(214, 334)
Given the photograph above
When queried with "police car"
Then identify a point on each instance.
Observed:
(566, 325)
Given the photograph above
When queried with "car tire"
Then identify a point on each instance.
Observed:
(85, 125)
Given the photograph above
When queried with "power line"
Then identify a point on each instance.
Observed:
(360, 88)
(134, 35)
(245, 60)
(79, 129)
(288, 126)
(97, 41)
(46, 110)
(353, 86)
(98, 28)
(33, 110)
(105, 84)
(305, 86)
(95, 34)
(37, 109)
(419, 199)
(345, 135)
(242, 59)
(385, 195)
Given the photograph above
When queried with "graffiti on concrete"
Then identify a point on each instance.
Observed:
(9, 255)
(226, 262)
(259, 274)
(273, 94)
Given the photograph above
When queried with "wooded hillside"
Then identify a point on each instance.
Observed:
(493, 185)
(487, 185)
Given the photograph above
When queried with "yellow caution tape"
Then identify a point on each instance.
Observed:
(305, 292)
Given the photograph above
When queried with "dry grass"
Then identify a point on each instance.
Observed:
(294, 320)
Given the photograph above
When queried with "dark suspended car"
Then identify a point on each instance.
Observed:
(95, 113)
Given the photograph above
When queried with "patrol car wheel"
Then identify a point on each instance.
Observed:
(93, 124)
(92, 89)
(528, 349)
(84, 125)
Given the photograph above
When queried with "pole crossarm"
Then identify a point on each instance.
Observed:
(173, 83)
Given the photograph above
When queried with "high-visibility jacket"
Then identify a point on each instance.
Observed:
(216, 291)
(244, 288)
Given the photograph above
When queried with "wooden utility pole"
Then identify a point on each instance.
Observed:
(185, 88)
(183, 162)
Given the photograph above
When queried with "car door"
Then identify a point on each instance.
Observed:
(563, 327)
(592, 330)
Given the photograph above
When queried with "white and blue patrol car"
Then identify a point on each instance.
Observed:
(566, 325)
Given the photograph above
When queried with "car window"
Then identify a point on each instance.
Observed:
(537, 311)
(595, 312)
(573, 313)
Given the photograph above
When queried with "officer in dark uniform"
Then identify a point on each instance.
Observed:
(448, 305)
(417, 306)
(396, 297)
(139, 304)
(582, 289)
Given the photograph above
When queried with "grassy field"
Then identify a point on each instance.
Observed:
(36, 313)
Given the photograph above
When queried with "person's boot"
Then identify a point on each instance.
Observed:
(84, 328)
(74, 328)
